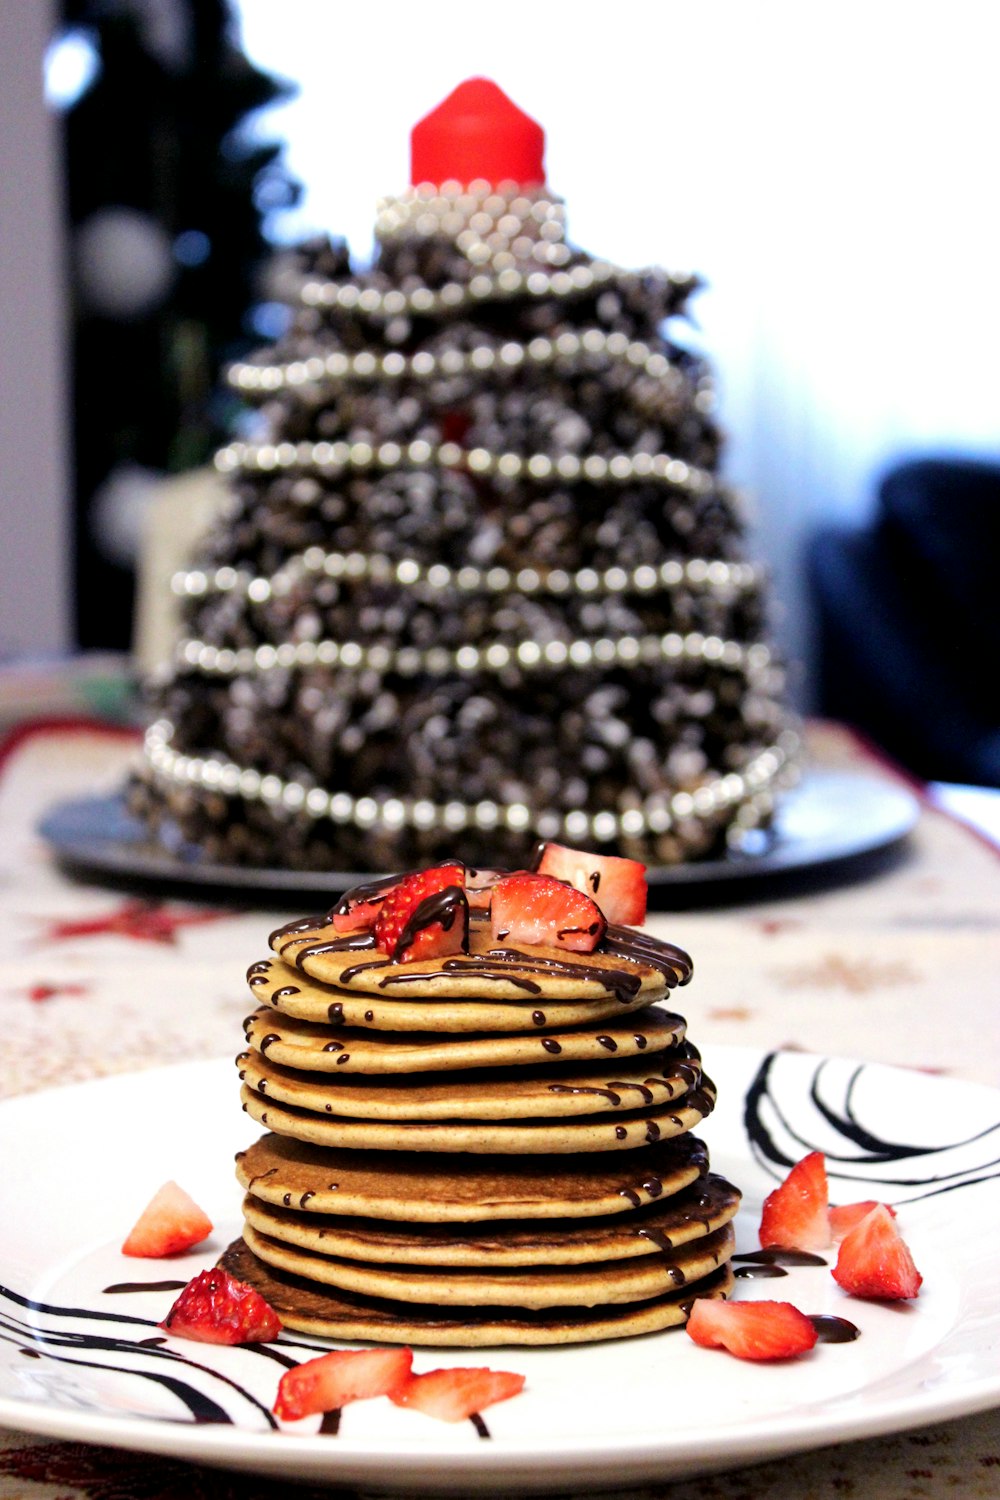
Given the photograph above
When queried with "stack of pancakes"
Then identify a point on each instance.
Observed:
(493, 1148)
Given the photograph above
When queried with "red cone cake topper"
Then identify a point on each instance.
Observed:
(477, 132)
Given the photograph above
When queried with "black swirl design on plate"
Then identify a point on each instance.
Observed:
(136, 1347)
(126, 1345)
(859, 1154)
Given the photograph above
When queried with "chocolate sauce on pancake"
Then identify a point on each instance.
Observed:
(442, 909)
(671, 963)
(370, 890)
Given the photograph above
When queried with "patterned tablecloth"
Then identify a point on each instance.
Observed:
(900, 967)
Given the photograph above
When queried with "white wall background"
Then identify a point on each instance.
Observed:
(830, 168)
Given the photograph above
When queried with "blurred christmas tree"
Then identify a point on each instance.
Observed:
(167, 190)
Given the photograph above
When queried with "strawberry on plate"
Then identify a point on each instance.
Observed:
(875, 1261)
(333, 1380)
(170, 1222)
(796, 1215)
(544, 912)
(425, 916)
(215, 1308)
(751, 1330)
(453, 1395)
(617, 885)
(845, 1216)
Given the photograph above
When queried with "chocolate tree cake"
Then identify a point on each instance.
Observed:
(479, 578)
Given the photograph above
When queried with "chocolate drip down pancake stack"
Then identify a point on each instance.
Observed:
(497, 1147)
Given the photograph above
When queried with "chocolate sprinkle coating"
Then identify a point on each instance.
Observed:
(553, 732)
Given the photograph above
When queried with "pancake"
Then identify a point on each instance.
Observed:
(695, 1211)
(624, 1131)
(487, 1094)
(466, 1189)
(627, 964)
(317, 1047)
(306, 1307)
(426, 1006)
(599, 1283)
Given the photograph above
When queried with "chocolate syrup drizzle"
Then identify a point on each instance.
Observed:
(369, 891)
(777, 1255)
(440, 909)
(833, 1330)
(671, 963)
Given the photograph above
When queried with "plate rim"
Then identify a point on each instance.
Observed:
(538, 1462)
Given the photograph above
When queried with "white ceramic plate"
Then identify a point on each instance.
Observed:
(75, 1361)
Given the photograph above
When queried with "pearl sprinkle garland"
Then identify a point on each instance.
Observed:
(751, 790)
(713, 576)
(458, 296)
(336, 458)
(569, 348)
(492, 656)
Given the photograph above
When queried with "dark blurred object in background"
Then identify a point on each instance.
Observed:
(165, 199)
(909, 620)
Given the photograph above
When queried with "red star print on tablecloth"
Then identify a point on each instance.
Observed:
(43, 991)
(146, 921)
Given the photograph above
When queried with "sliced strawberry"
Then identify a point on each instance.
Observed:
(453, 1395)
(617, 885)
(215, 1308)
(796, 1215)
(425, 916)
(333, 1380)
(170, 1222)
(544, 912)
(846, 1216)
(751, 1330)
(875, 1261)
(358, 908)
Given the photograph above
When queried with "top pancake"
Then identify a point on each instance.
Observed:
(627, 967)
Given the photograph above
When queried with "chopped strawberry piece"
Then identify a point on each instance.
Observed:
(215, 1308)
(617, 885)
(358, 908)
(425, 916)
(796, 1215)
(479, 886)
(544, 912)
(846, 1216)
(333, 1380)
(875, 1261)
(453, 1395)
(751, 1330)
(170, 1222)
